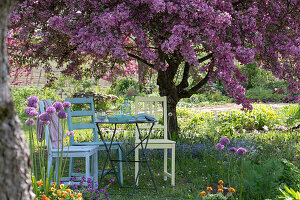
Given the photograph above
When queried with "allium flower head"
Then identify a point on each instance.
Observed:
(29, 122)
(44, 117)
(62, 114)
(219, 146)
(67, 104)
(33, 113)
(33, 101)
(28, 110)
(224, 141)
(51, 110)
(241, 151)
(70, 133)
(58, 106)
(232, 150)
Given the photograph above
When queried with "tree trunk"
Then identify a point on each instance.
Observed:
(15, 181)
(168, 88)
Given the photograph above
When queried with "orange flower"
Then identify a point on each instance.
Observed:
(220, 186)
(220, 182)
(58, 192)
(68, 190)
(231, 190)
(71, 195)
(65, 194)
(209, 189)
(79, 195)
(61, 198)
(220, 190)
(45, 197)
(203, 193)
(40, 183)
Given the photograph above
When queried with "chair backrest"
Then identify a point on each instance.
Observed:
(82, 113)
(155, 106)
(46, 127)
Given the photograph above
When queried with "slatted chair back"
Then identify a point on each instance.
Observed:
(72, 114)
(46, 128)
(155, 106)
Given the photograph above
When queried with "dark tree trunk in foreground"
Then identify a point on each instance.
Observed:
(15, 181)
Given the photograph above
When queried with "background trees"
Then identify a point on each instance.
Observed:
(206, 39)
(15, 182)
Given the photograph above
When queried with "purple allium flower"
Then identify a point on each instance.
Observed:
(28, 110)
(111, 180)
(67, 104)
(219, 146)
(62, 114)
(241, 151)
(33, 113)
(224, 141)
(51, 110)
(78, 169)
(29, 122)
(70, 133)
(58, 106)
(44, 117)
(232, 150)
(33, 101)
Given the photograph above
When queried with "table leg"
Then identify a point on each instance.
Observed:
(108, 155)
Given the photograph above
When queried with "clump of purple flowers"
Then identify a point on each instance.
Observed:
(87, 190)
(225, 141)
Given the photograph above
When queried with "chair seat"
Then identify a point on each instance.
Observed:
(96, 143)
(157, 141)
(73, 149)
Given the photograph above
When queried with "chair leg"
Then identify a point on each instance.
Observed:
(49, 163)
(95, 169)
(173, 167)
(71, 167)
(120, 166)
(136, 168)
(165, 164)
(87, 167)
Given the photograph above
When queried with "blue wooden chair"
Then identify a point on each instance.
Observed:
(87, 152)
(83, 124)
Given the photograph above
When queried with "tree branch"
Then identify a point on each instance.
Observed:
(140, 59)
(184, 82)
(209, 56)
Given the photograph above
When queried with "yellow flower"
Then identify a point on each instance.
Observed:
(220, 190)
(53, 194)
(68, 190)
(40, 183)
(54, 183)
(209, 189)
(220, 186)
(203, 193)
(297, 155)
(62, 186)
(220, 182)
(231, 190)
(52, 189)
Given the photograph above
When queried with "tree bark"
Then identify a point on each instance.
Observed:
(15, 180)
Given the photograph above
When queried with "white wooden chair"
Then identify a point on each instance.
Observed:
(87, 152)
(156, 106)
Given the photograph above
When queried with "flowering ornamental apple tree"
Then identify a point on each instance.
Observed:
(205, 37)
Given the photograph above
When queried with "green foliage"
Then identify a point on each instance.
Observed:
(260, 180)
(263, 94)
(124, 85)
(291, 174)
(289, 194)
